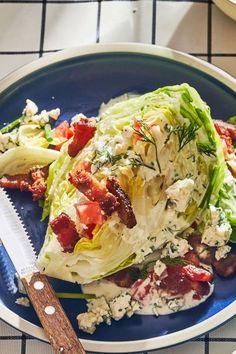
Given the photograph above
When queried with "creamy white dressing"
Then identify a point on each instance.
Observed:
(104, 288)
(110, 290)
(163, 309)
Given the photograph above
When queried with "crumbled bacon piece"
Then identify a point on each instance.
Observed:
(66, 232)
(124, 209)
(84, 130)
(192, 258)
(226, 135)
(34, 182)
(38, 187)
(125, 277)
(231, 128)
(85, 165)
(94, 191)
(226, 267)
(203, 252)
(21, 182)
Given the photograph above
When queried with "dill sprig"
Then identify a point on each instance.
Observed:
(138, 161)
(108, 158)
(206, 148)
(185, 133)
(145, 134)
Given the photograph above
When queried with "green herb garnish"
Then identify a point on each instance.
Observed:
(232, 120)
(145, 269)
(185, 133)
(233, 235)
(48, 132)
(75, 296)
(145, 134)
(206, 148)
(8, 128)
(175, 261)
(138, 161)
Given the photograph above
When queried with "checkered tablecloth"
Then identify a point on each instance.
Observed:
(33, 28)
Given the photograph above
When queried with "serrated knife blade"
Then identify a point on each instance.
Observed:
(49, 310)
(15, 238)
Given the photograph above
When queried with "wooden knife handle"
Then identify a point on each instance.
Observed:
(52, 316)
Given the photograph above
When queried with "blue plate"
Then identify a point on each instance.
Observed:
(79, 80)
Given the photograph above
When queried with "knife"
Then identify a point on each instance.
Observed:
(43, 298)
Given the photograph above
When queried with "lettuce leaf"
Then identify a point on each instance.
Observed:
(186, 145)
(32, 135)
(22, 158)
(227, 199)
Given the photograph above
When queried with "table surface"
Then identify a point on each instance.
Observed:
(34, 28)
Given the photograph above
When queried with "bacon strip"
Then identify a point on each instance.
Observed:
(83, 132)
(124, 209)
(21, 181)
(227, 133)
(38, 186)
(34, 182)
(226, 267)
(93, 190)
(66, 232)
(203, 252)
(125, 277)
(231, 128)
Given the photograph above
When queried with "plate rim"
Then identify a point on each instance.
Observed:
(167, 340)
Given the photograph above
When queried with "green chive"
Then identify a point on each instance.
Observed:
(232, 120)
(48, 132)
(11, 126)
(175, 261)
(75, 296)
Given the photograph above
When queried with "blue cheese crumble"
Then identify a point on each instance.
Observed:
(218, 229)
(30, 116)
(175, 304)
(222, 252)
(177, 247)
(23, 301)
(100, 310)
(8, 141)
(179, 193)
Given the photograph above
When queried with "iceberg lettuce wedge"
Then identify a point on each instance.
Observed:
(149, 143)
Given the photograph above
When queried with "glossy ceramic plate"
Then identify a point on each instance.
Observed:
(78, 80)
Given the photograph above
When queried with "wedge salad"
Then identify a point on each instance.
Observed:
(140, 200)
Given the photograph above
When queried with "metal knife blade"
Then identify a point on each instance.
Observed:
(15, 238)
(47, 306)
